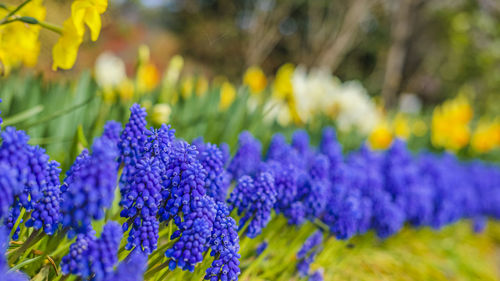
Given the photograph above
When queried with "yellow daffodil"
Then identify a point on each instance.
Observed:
(401, 127)
(88, 12)
(450, 124)
(170, 80)
(19, 41)
(148, 77)
(201, 86)
(486, 136)
(126, 90)
(65, 51)
(227, 95)
(255, 79)
(187, 87)
(282, 86)
(381, 136)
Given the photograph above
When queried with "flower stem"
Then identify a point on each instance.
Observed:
(6, 18)
(52, 27)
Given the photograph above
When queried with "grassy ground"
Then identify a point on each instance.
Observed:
(453, 253)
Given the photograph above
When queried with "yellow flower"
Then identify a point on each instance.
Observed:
(65, 51)
(486, 136)
(187, 87)
(126, 90)
(282, 86)
(381, 137)
(450, 124)
(148, 77)
(88, 12)
(19, 41)
(227, 95)
(161, 113)
(255, 79)
(170, 80)
(201, 86)
(401, 127)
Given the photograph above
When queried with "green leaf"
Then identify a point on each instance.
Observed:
(43, 275)
(22, 116)
(82, 140)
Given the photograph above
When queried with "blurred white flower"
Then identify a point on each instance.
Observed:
(410, 103)
(311, 90)
(161, 113)
(352, 107)
(109, 70)
(278, 110)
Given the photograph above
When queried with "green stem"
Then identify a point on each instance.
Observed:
(52, 27)
(18, 221)
(6, 18)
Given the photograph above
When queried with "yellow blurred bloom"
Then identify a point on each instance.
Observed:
(148, 77)
(170, 80)
(88, 12)
(191, 84)
(282, 85)
(401, 127)
(187, 87)
(381, 136)
(19, 41)
(161, 113)
(227, 95)
(450, 124)
(201, 86)
(419, 128)
(65, 51)
(126, 90)
(255, 79)
(486, 136)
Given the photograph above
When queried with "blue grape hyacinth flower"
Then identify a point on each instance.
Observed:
(91, 189)
(247, 159)
(255, 200)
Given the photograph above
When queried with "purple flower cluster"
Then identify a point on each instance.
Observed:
(89, 187)
(218, 179)
(131, 269)
(308, 252)
(132, 141)
(94, 258)
(247, 159)
(255, 200)
(28, 181)
(224, 242)
(112, 131)
(166, 180)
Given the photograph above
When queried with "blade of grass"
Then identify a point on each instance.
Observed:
(58, 114)
(22, 116)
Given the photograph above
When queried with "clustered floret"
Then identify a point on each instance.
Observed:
(89, 189)
(94, 258)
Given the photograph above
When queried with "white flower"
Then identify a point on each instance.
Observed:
(310, 90)
(109, 70)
